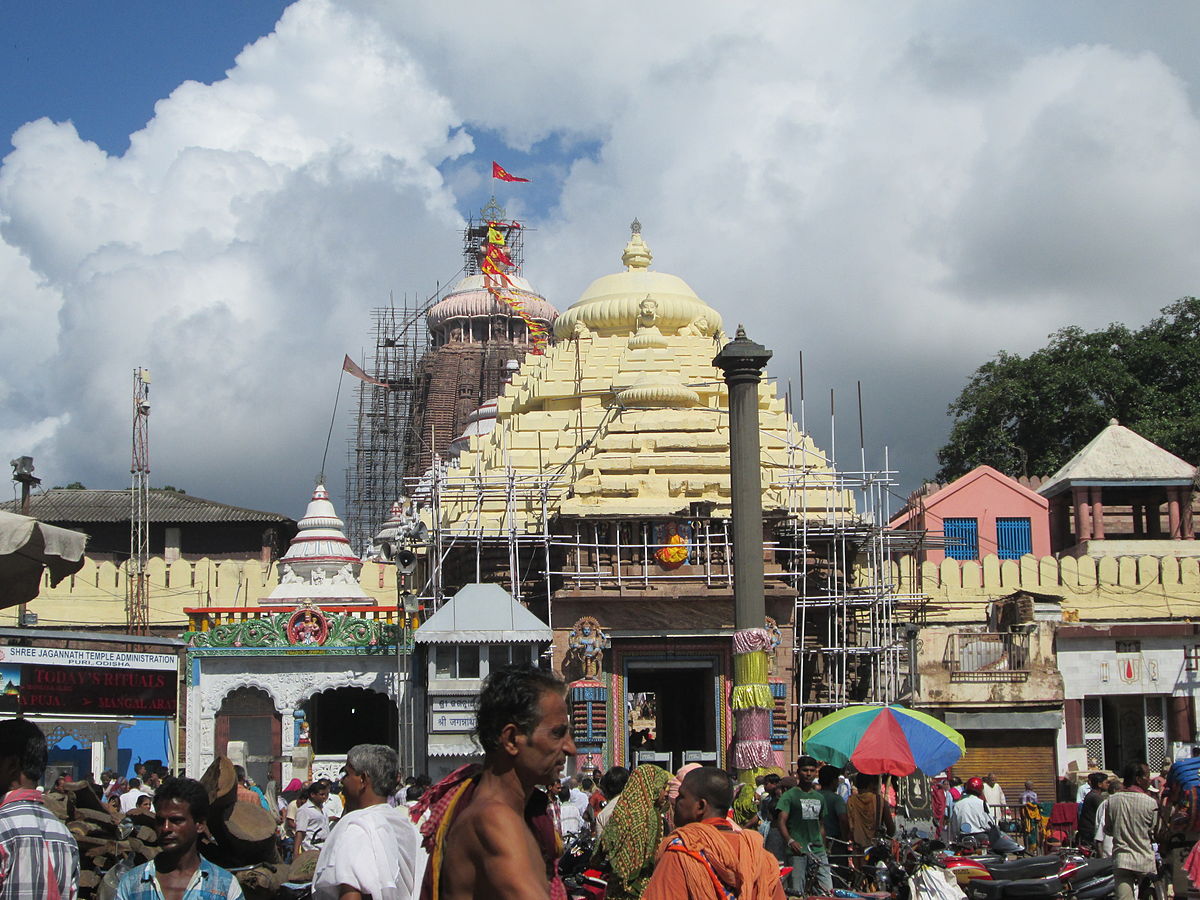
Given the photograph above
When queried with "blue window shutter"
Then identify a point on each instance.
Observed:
(1014, 538)
(962, 538)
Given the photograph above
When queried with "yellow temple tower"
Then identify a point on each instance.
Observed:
(601, 500)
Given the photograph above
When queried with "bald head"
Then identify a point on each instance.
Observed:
(705, 793)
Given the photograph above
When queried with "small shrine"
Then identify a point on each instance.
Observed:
(314, 668)
(480, 629)
(586, 695)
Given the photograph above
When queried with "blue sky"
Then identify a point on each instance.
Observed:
(896, 191)
(104, 64)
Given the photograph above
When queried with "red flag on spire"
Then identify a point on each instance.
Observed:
(499, 173)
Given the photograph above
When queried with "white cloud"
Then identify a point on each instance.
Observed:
(234, 251)
(897, 191)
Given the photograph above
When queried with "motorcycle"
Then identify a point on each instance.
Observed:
(582, 878)
(1081, 879)
(991, 867)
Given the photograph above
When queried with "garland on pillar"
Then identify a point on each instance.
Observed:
(752, 703)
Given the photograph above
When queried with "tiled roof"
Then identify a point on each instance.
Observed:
(70, 506)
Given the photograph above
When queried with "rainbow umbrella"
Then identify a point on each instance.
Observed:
(883, 739)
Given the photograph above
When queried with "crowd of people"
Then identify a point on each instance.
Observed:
(498, 828)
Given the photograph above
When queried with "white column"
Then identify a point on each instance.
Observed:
(97, 748)
(287, 743)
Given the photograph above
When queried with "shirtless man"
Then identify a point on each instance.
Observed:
(489, 850)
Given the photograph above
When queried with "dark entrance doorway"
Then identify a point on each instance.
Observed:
(340, 718)
(248, 714)
(683, 710)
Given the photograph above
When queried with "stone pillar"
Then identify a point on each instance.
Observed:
(1097, 514)
(1185, 515)
(1173, 514)
(742, 361)
(1060, 525)
(1083, 515)
(1154, 519)
(1139, 519)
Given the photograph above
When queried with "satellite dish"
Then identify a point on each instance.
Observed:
(406, 562)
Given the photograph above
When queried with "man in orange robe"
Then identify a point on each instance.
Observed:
(704, 858)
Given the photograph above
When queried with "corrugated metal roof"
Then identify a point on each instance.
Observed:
(483, 613)
(66, 506)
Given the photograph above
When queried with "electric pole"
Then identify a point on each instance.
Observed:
(137, 597)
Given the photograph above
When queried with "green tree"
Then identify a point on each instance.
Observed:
(1029, 415)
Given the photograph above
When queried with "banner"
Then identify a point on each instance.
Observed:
(48, 680)
(500, 175)
(349, 365)
(494, 266)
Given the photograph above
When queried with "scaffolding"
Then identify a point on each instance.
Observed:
(829, 552)
(390, 436)
(851, 642)
(382, 438)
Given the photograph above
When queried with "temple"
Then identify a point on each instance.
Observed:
(599, 497)
(313, 668)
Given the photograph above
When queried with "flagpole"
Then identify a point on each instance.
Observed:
(332, 419)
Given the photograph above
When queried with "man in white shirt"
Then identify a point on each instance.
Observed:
(970, 815)
(375, 849)
(333, 806)
(129, 799)
(580, 796)
(993, 795)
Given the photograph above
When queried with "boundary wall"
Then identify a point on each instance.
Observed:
(1104, 589)
(94, 597)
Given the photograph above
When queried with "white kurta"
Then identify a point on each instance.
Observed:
(375, 850)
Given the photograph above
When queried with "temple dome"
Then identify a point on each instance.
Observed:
(320, 540)
(469, 298)
(320, 564)
(481, 421)
(612, 304)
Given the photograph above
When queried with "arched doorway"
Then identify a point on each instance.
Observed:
(340, 718)
(248, 714)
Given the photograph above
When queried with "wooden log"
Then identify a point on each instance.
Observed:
(100, 816)
(304, 865)
(220, 780)
(85, 796)
(249, 822)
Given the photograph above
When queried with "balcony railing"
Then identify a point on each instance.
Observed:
(988, 656)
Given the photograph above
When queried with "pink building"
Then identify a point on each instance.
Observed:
(984, 513)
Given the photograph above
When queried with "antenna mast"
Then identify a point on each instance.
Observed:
(137, 598)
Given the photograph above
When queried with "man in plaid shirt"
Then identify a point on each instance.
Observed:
(38, 856)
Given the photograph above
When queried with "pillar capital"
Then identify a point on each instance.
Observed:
(742, 359)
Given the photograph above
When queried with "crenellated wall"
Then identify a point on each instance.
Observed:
(95, 596)
(1124, 588)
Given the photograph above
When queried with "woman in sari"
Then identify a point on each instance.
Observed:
(634, 832)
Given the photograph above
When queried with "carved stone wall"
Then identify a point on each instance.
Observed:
(288, 680)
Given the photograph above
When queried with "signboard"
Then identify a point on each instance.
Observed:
(90, 682)
(452, 704)
(452, 723)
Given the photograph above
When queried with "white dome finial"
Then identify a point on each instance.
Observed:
(637, 255)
